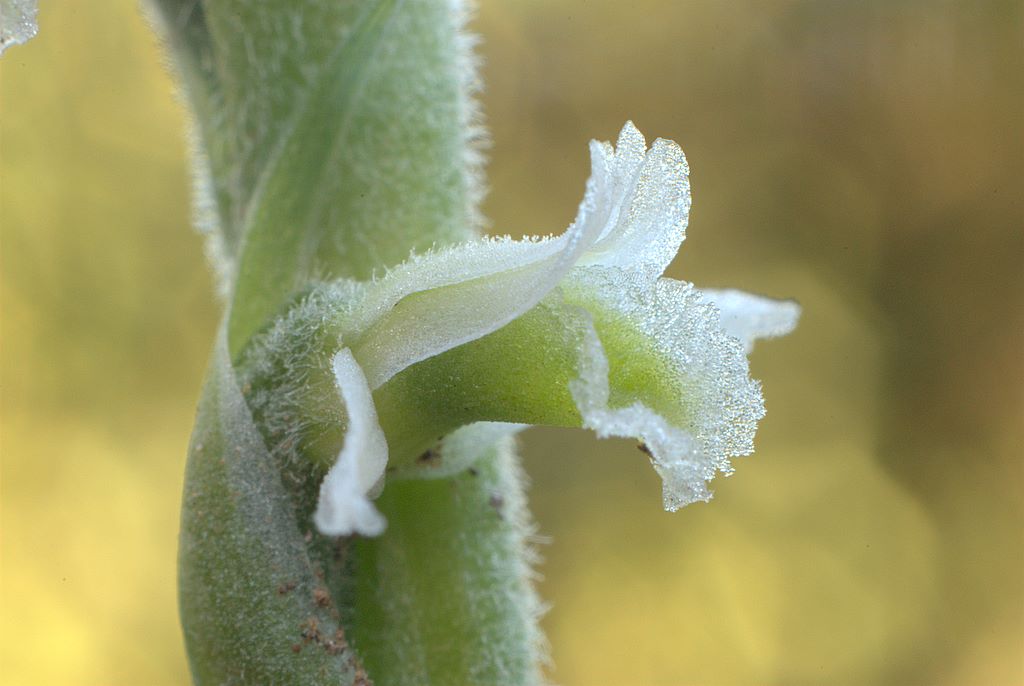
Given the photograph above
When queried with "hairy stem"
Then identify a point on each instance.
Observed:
(444, 596)
(333, 138)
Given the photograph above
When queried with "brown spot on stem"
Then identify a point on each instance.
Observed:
(498, 503)
(310, 630)
(429, 457)
(321, 597)
(337, 644)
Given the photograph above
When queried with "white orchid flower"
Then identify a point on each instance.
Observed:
(578, 329)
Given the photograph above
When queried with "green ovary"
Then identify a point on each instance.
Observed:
(521, 373)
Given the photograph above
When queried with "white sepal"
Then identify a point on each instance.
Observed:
(344, 507)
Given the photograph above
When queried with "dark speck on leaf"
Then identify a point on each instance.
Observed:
(497, 502)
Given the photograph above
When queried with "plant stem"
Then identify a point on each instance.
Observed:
(444, 597)
(333, 139)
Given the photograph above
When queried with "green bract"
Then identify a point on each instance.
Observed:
(574, 330)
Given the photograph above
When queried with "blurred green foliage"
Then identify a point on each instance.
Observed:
(865, 158)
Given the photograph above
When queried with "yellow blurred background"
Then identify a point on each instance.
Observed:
(865, 158)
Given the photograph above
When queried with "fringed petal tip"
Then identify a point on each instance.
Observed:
(713, 406)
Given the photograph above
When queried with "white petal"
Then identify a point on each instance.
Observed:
(435, 302)
(749, 317)
(651, 195)
(674, 453)
(344, 507)
(428, 322)
(722, 404)
(613, 176)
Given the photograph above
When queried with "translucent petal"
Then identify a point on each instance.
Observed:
(674, 453)
(717, 405)
(749, 317)
(613, 176)
(650, 220)
(344, 507)
(425, 323)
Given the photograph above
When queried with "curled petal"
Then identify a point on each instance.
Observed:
(651, 201)
(613, 174)
(344, 506)
(673, 378)
(674, 453)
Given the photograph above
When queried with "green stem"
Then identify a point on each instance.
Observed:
(248, 584)
(337, 138)
(444, 596)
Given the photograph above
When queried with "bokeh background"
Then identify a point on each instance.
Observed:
(865, 158)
